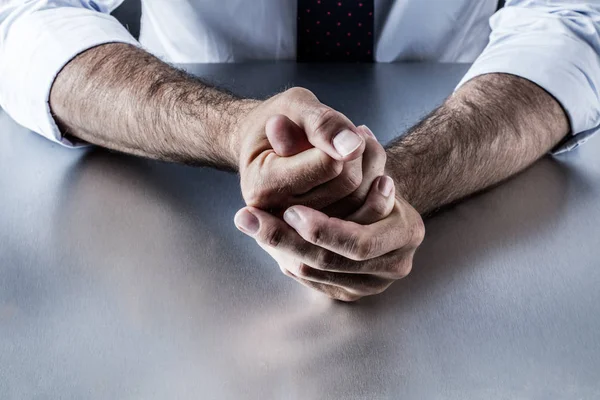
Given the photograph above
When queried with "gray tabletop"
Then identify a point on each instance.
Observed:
(126, 278)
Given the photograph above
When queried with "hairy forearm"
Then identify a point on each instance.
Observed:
(493, 127)
(120, 97)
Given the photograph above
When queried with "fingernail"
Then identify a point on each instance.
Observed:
(385, 185)
(291, 217)
(346, 142)
(370, 132)
(246, 222)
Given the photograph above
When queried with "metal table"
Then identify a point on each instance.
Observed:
(126, 278)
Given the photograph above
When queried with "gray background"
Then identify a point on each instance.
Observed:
(126, 278)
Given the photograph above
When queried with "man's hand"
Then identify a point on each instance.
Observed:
(373, 166)
(290, 142)
(345, 259)
(319, 157)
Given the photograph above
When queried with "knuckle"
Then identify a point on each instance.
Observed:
(380, 289)
(315, 234)
(300, 93)
(411, 229)
(272, 236)
(256, 195)
(377, 209)
(351, 180)
(373, 290)
(330, 167)
(401, 269)
(362, 249)
(361, 290)
(347, 297)
(418, 231)
(327, 260)
(324, 117)
(304, 271)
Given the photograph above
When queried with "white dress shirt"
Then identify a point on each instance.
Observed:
(554, 43)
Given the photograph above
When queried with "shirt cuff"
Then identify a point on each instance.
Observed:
(37, 46)
(560, 64)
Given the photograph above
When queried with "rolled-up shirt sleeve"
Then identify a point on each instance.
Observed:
(555, 44)
(37, 38)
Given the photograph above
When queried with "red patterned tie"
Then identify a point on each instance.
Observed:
(335, 30)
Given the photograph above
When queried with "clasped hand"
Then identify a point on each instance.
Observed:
(318, 200)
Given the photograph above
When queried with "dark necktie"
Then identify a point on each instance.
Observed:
(335, 30)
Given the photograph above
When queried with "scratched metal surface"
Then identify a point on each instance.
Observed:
(125, 278)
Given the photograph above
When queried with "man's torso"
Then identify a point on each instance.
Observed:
(242, 30)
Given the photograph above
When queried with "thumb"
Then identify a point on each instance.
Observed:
(285, 137)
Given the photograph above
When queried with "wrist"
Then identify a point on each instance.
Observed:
(419, 160)
(491, 128)
(233, 131)
(212, 116)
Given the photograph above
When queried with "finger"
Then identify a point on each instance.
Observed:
(352, 185)
(288, 263)
(374, 159)
(349, 239)
(373, 166)
(271, 232)
(282, 240)
(338, 188)
(379, 203)
(326, 128)
(279, 178)
(359, 284)
(286, 138)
